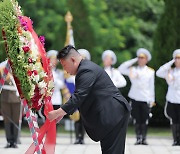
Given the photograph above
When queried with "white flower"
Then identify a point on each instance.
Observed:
(34, 48)
(42, 84)
(14, 17)
(42, 74)
(31, 93)
(35, 78)
(43, 87)
(31, 67)
(19, 57)
(34, 55)
(40, 102)
(43, 91)
(38, 66)
(49, 92)
(51, 84)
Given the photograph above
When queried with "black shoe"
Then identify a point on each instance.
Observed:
(144, 142)
(138, 142)
(8, 146)
(175, 143)
(14, 145)
(77, 141)
(81, 142)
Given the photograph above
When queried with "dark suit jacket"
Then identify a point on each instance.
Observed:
(100, 103)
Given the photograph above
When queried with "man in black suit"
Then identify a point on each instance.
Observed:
(104, 111)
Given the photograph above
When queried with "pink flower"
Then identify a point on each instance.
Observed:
(23, 23)
(30, 60)
(26, 49)
(42, 39)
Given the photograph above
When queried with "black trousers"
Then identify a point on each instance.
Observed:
(114, 142)
(79, 129)
(140, 111)
(173, 111)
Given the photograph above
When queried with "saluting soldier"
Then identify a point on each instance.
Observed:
(172, 76)
(109, 59)
(10, 105)
(141, 93)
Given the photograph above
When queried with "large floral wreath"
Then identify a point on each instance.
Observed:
(26, 55)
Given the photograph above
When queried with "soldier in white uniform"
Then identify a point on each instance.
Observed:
(141, 93)
(58, 79)
(172, 76)
(109, 59)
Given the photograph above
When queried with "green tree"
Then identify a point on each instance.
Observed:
(83, 33)
(137, 21)
(2, 50)
(106, 33)
(48, 18)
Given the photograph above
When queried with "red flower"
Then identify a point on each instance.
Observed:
(29, 72)
(36, 98)
(30, 60)
(35, 72)
(26, 49)
(35, 104)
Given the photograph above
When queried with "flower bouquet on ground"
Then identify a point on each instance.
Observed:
(30, 67)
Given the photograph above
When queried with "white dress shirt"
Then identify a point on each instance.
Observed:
(116, 77)
(58, 84)
(142, 81)
(172, 77)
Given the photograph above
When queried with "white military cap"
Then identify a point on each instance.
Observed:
(111, 54)
(176, 53)
(85, 53)
(145, 52)
(51, 53)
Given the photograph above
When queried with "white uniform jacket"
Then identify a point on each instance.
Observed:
(58, 84)
(142, 81)
(172, 77)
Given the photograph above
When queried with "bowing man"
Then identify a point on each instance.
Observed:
(104, 111)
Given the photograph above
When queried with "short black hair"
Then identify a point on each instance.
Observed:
(63, 53)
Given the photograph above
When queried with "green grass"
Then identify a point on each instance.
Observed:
(152, 131)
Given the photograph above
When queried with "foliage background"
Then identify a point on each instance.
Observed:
(120, 25)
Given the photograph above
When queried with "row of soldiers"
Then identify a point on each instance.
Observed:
(141, 93)
(142, 90)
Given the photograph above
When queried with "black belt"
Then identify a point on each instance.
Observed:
(138, 101)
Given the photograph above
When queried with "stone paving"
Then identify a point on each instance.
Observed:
(156, 146)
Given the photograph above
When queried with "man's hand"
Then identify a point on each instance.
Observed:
(52, 115)
(58, 119)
